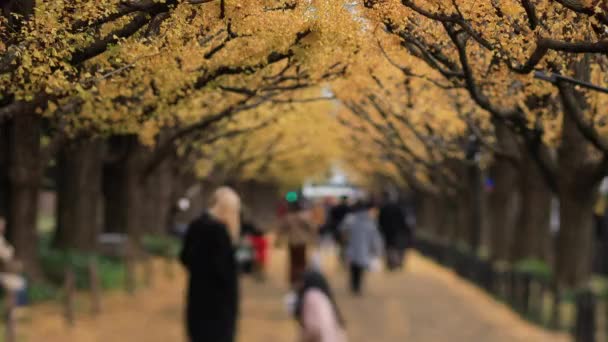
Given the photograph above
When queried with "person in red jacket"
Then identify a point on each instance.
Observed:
(260, 246)
(259, 243)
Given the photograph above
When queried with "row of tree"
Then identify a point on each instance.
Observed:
(120, 105)
(453, 94)
(131, 98)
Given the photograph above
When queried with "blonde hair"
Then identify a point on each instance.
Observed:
(225, 206)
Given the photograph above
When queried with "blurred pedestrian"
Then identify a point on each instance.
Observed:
(245, 255)
(261, 256)
(396, 232)
(318, 215)
(319, 219)
(336, 216)
(208, 254)
(257, 240)
(11, 279)
(325, 231)
(363, 242)
(282, 209)
(317, 312)
(297, 230)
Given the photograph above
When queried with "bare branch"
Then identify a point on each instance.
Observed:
(408, 71)
(543, 45)
(476, 93)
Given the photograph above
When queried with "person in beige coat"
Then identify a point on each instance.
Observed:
(297, 229)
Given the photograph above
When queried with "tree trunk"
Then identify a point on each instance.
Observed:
(503, 199)
(462, 207)
(532, 231)
(24, 177)
(502, 204)
(575, 237)
(114, 200)
(158, 199)
(450, 225)
(122, 189)
(577, 188)
(474, 233)
(577, 195)
(429, 214)
(79, 195)
(436, 215)
(4, 154)
(468, 205)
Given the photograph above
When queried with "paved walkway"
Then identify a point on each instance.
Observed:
(425, 303)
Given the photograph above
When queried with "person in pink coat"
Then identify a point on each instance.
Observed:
(316, 311)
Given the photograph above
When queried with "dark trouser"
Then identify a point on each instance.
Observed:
(297, 263)
(339, 240)
(356, 277)
(394, 258)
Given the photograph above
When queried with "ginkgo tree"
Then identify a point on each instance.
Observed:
(128, 96)
(490, 49)
(413, 129)
(158, 73)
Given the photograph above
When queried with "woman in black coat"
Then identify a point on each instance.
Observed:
(396, 232)
(208, 255)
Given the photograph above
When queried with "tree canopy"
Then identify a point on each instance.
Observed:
(418, 93)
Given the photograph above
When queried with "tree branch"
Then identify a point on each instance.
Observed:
(543, 45)
(476, 93)
(531, 13)
(571, 109)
